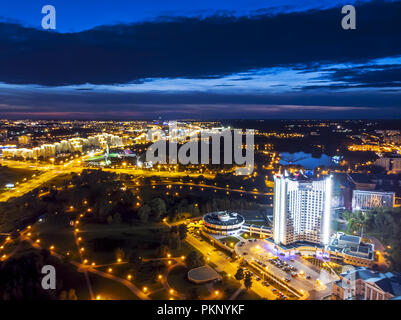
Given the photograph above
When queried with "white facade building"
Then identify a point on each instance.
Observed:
(64, 146)
(302, 209)
(367, 200)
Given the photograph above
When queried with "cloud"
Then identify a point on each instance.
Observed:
(53, 103)
(197, 48)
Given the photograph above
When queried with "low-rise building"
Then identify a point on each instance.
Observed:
(223, 223)
(365, 284)
(349, 249)
(367, 200)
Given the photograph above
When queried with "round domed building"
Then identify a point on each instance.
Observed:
(223, 223)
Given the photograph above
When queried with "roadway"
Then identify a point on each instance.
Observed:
(224, 264)
(49, 172)
(200, 185)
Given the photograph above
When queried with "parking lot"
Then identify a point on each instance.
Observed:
(225, 263)
(297, 272)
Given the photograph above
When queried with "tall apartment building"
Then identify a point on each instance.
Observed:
(302, 209)
(64, 146)
(367, 200)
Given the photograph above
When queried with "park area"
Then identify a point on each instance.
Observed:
(14, 176)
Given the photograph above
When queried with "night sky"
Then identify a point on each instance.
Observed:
(219, 59)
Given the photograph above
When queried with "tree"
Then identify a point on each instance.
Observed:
(163, 251)
(117, 218)
(135, 260)
(239, 274)
(158, 207)
(45, 253)
(109, 220)
(21, 277)
(194, 294)
(174, 242)
(144, 213)
(194, 260)
(182, 231)
(119, 253)
(356, 221)
(63, 295)
(72, 295)
(248, 281)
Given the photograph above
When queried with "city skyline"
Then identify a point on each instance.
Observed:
(83, 199)
(220, 153)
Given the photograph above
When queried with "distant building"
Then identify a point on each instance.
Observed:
(390, 163)
(391, 136)
(24, 140)
(367, 200)
(63, 147)
(302, 209)
(364, 284)
(3, 133)
(362, 181)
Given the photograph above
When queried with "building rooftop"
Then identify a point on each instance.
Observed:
(387, 282)
(224, 218)
(360, 178)
(295, 245)
(351, 245)
(350, 238)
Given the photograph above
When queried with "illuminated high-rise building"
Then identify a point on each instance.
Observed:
(302, 209)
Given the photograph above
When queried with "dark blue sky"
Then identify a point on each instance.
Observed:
(203, 59)
(78, 15)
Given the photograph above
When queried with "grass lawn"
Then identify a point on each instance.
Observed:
(160, 295)
(70, 278)
(54, 234)
(102, 240)
(11, 175)
(229, 240)
(67, 275)
(146, 277)
(248, 295)
(106, 288)
(246, 235)
(109, 289)
(59, 180)
(185, 249)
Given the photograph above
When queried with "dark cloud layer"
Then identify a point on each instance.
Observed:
(369, 76)
(200, 48)
(101, 105)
